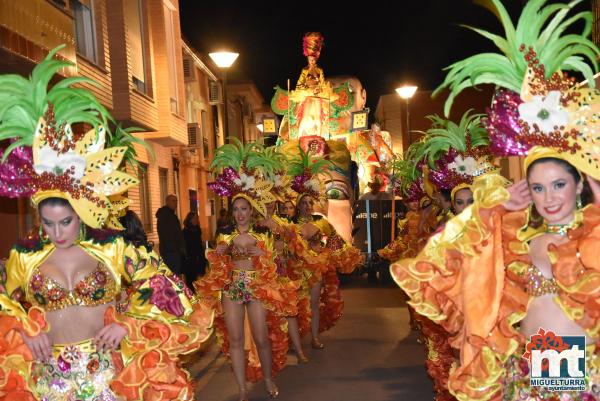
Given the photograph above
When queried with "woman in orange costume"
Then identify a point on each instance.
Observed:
(411, 236)
(242, 279)
(291, 251)
(455, 153)
(329, 251)
(63, 335)
(521, 263)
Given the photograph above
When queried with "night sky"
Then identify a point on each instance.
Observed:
(383, 43)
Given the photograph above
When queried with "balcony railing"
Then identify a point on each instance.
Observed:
(35, 25)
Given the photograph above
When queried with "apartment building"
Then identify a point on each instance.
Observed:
(134, 50)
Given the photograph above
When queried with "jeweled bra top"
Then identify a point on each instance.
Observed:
(97, 288)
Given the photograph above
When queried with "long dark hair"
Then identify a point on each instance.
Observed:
(134, 229)
(187, 222)
(536, 220)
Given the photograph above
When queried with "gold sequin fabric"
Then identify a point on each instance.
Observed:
(75, 372)
(537, 284)
(96, 288)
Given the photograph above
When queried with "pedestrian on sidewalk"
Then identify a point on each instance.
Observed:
(171, 243)
(195, 261)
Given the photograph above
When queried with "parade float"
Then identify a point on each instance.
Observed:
(330, 115)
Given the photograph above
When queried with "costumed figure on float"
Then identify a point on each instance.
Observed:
(519, 268)
(64, 334)
(242, 284)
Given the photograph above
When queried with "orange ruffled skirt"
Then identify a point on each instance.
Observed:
(278, 296)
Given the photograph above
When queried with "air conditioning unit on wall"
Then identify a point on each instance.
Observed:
(189, 70)
(194, 134)
(215, 92)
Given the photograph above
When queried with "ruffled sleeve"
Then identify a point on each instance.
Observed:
(162, 323)
(344, 257)
(460, 280)
(15, 357)
(576, 268)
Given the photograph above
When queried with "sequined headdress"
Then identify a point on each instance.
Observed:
(456, 153)
(241, 170)
(538, 111)
(277, 174)
(46, 155)
(407, 174)
(307, 165)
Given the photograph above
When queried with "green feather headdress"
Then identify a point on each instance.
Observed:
(80, 168)
(241, 173)
(24, 101)
(541, 27)
(456, 153)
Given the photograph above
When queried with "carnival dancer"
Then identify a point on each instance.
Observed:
(520, 264)
(242, 278)
(409, 185)
(63, 337)
(331, 253)
(454, 153)
(290, 249)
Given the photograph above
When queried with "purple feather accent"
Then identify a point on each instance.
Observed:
(503, 125)
(14, 181)
(224, 184)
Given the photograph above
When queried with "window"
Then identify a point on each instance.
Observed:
(215, 117)
(204, 123)
(137, 43)
(85, 30)
(145, 208)
(169, 15)
(163, 180)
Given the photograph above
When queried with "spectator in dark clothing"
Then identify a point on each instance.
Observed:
(171, 243)
(222, 221)
(195, 261)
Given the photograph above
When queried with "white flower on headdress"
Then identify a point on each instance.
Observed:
(466, 166)
(51, 161)
(313, 185)
(546, 112)
(278, 181)
(245, 182)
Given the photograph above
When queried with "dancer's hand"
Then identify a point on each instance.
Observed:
(40, 346)
(221, 248)
(520, 197)
(110, 337)
(253, 250)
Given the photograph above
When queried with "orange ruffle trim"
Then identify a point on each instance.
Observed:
(279, 296)
(15, 357)
(482, 323)
(347, 260)
(152, 370)
(331, 304)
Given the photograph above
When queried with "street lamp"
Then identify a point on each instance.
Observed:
(406, 92)
(224, 60)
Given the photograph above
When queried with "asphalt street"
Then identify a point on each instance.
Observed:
(370, 355)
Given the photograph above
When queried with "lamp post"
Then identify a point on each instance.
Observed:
(406, 92)
(224, 60)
